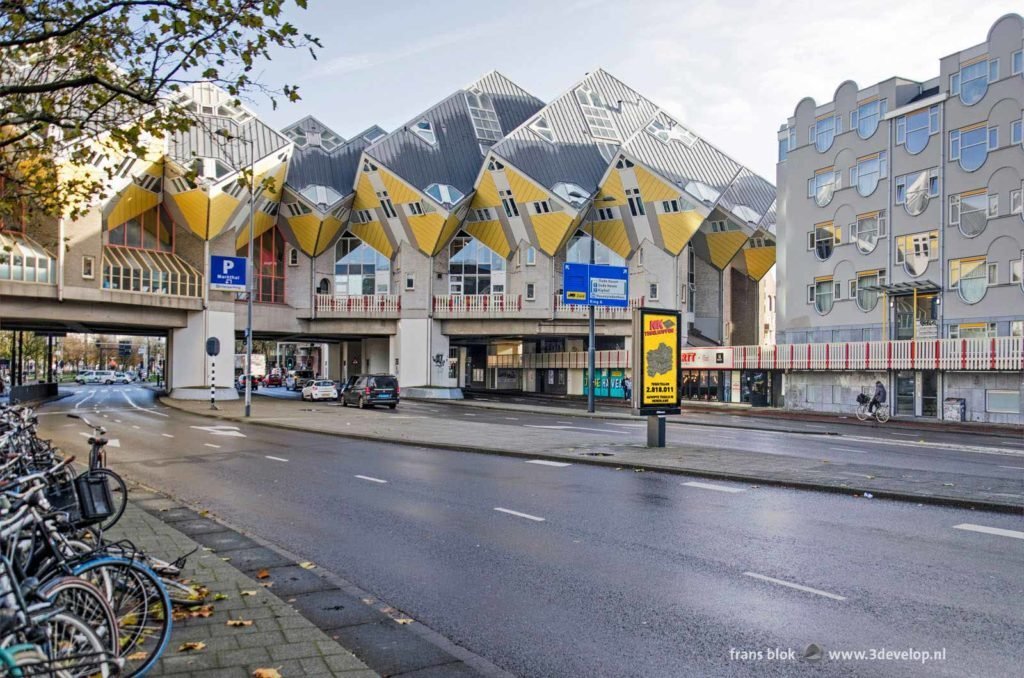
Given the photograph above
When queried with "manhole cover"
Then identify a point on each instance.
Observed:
(597, 454)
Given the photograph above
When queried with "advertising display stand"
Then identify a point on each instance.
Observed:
(656, 347)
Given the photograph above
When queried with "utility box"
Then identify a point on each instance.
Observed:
(954, 409)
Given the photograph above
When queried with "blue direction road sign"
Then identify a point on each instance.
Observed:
(227, 273)
(595, 285)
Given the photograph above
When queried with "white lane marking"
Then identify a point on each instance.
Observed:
(574, 428)
(546, 462)
(563, 422)
(848, 449)
(517, 513)
(631, 425)
(88, 395)
(216, 447)
(468, 414)
(990, 530)
(1003, 451)
(511, 418)
(406, 416)
(718, 488)
(371, 479)
(167, 435)
(135, 426)
(143, 409)
(117, 421)
(275, 458)
(1014, 467)
(905, 435)
(231, 431)
(791, 585)
(114, 442)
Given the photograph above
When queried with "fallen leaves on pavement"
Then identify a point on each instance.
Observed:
(137, 656)
(307, 565)
(239, 622)
(249, 593)
(263, 574)
(194, 646)
(266, 673)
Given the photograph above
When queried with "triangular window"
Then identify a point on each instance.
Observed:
(542, 128)
(424, 130)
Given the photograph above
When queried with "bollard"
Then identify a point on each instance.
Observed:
(213, 384)
(656, 431)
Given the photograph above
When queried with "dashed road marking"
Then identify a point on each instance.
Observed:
(1021, 468)
(167, 435)
(275, 458)
(216, 447)
(521, 515)
(547, 462)
(717, 488)
(798, 587)
(511, 418)
(849, 449)
(1013, 534)
(136, 426)
(574, 428)
(372, 479)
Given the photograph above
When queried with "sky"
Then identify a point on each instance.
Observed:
(731, 71)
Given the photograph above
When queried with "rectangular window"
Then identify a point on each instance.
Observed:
(993, 206)
(415, 209)
(670, 206)
(1016, 204)
(653, 291)
(509, 203)
(1015, 132)
(993, 138)
(1018, 62)
(810, 294)
(541, 207)
(410, 282)
(1016, 271)
(89, 267)
(992, 274)
(636, 203)
(531, 292)
(1002, 402)
(386, 205)
(972, 331)
(531, 256)
(605, 214)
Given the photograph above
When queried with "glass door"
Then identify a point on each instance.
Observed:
(905, 386)
(929, 393)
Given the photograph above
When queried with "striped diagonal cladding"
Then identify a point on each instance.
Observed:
(768, 220)
(456, 158)
(337, 169)
(576, 156)
(749, 190)
(202, 141)
(680, 164)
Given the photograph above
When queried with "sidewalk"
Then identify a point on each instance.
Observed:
(614, 408)
(581, 446)
(277, 636)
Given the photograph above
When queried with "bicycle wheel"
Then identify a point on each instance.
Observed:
(72, 650)
(882, 414)
(118, 493)
(141, 607)
(86, 602)
(862, 412)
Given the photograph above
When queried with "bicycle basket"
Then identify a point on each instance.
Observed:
(94, 499)
(862, 398)
(63, 497)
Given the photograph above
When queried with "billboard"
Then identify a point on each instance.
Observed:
(595, 285)
(657, 341)
(717, 358)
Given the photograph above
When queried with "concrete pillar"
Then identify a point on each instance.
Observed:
(189, 373)
(334, 361)
(416, 346)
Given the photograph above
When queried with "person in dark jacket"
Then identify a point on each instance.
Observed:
(878, 399)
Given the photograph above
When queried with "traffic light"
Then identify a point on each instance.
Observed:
(124, 348)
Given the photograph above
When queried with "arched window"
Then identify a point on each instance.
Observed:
(324, 287)
(473, 267)
(578, 251)
(359, 269)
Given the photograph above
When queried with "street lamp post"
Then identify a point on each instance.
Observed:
(250, 268)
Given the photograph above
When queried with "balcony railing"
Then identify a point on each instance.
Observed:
(1002, 354)
(359, 305)
(477, 305)
(566, 311)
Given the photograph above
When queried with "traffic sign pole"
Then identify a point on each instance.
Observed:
(591, 355)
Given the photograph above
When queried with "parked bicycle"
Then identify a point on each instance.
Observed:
(864, 410)
(72, 604)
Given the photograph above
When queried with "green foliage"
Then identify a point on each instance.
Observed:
(74, 71)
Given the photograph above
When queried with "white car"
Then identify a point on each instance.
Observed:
(122, 378)
(320, 389)
(96, 377)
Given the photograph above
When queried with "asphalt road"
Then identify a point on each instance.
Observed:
(965, 454)
(587, 571)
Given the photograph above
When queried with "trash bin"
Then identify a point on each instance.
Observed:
(954, 409)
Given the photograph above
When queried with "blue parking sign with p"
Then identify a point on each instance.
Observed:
(227, 273)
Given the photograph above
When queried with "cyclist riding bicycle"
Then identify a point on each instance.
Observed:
(878, 399)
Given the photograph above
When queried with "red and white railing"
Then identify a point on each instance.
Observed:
(477, 305)
(564, 310)
(1002, 354)
(359, 305)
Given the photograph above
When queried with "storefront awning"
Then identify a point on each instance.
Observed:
(903, 288)
(149, 272)
(22, 259)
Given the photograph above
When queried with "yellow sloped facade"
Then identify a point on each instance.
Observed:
(724, 246)
(678, 228)
(491, 234)
(759, 261)
(613, 235)
(373, 234)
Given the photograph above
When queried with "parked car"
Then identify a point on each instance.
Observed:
(320, 389)
(122, 378)
(273, 379)
(371, 390)
(85, 377)
(298, 378)
(347, 385)
(100, 377)
(240, 382)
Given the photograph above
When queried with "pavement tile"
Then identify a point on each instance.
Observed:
(453, 670)
(334, 609)
(254, 559)
(198, 526)
(225, 541)
(292, 580)
(388, 649)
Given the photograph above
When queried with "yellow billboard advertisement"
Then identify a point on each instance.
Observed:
(658, 369)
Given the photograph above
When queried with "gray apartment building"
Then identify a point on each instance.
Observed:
(901, 232)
